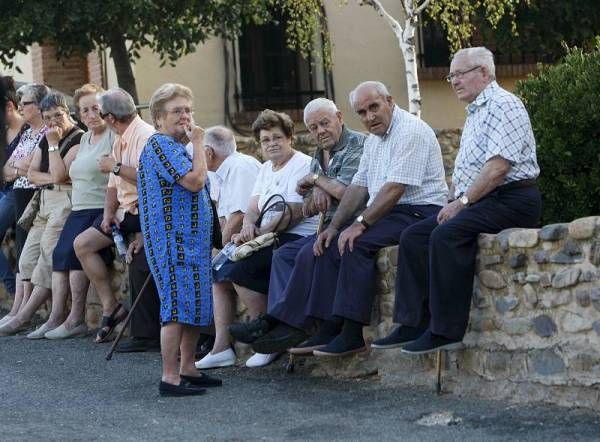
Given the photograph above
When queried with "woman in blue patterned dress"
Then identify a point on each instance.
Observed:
(176, 220)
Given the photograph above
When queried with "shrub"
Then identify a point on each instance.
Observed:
(564, 105)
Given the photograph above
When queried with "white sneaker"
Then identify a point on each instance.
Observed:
(62, 332)
(40, 332)
(6, 320)
(261, 359)
(224, 358)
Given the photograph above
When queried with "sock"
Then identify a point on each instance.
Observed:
(330, 328)
(352, 331)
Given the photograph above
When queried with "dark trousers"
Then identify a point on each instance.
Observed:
(145, 320)
(436, 263)
(344, 285)
(292, 281)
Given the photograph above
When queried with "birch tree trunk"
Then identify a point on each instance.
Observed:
(406, 41)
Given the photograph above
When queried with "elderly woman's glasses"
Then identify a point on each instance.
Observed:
(56, 117)
(459, 74)
(180, 111)
(265, 141)
(26, 103)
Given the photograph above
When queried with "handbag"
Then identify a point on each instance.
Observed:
(26, 219)
(266, 239)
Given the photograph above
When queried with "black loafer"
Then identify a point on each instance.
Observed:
(339, 347)
(429, 343)
(183, 389)
(279, 339)
(203, 380)
(248, 332)
(400, 337)
(138, 345)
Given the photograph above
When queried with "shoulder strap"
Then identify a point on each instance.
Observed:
(65, 142)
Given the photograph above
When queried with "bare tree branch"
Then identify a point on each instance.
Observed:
(376, 4)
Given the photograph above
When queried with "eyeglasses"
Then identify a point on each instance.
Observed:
(26, 103)
(179, 111)
(275, 139)
(103, 115)
(56, 117)
(459, 74)
(90, 110)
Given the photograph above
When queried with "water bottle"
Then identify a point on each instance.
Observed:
(223, 256)
(119, 242)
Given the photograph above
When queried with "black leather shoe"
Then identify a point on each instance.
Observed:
(400, 337)
(136, 345)
(183, 389)
(339, 347)
(429, 343)
(315, 342)
(203, 380)
(248, 332)
(279, 339)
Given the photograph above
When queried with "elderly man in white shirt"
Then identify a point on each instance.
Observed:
(234, 174)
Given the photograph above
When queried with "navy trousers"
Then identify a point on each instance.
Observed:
(292, 281)
(436, 263)
(340, 285)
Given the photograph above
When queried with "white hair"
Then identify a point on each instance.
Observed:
(319, 104)
(377, 85)
(480, 56)
(221, 140)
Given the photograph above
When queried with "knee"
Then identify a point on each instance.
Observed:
(81, 245)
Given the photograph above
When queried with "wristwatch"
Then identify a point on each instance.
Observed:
(315, 177)
(116, 169)
(52, 148)
(464, 199)
(361, 219)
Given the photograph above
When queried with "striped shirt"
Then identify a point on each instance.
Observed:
(497, 124)
(408, 153)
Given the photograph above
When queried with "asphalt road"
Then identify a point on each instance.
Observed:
(67, 391)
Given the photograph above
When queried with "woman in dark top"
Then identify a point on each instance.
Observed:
(48, 170)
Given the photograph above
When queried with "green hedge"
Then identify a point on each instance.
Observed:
(564, 105)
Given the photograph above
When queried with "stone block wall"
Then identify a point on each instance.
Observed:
(534, 332)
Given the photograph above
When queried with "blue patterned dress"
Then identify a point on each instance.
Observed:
(177, 226)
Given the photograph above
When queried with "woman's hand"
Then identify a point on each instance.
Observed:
(194, 133)
(134, 247)
(247, 233)
(54, 135)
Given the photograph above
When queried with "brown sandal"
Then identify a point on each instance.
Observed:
(109, 323)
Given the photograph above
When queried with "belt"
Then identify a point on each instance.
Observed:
(58, 187)
(517, 184)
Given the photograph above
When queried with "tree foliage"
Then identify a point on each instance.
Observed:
(564, 108)
(169, 28)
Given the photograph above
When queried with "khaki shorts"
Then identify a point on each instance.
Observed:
(35, 263)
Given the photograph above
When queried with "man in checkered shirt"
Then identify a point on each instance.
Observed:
(401, 181)
(493, 189)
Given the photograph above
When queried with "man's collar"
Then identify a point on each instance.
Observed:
(131, 127)
(223, 169)
(396, 115)
(483, 96)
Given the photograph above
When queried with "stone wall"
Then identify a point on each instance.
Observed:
(534, 333)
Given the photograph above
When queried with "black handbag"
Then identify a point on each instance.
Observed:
(216, 237)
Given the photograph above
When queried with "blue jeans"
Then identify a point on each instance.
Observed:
(7, 218)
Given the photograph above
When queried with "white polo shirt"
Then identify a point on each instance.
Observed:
(236, 177)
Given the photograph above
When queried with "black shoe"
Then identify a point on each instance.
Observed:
(203, 380)
(429, 343)
(279, 339)
(401, 336)
(136, 345)
(183, 389)
(248, 332)
(340, 347)
(315, 342)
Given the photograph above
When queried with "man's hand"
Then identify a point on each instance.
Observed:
(134, 247)
(449, 211)
(54, 135)
(321, 199)
(348, 236)
(106, 163)
(305, 184)
(323, 240)
(107, 223)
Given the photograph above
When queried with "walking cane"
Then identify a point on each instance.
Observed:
(289, 367)
(127, 319)
(439, 357)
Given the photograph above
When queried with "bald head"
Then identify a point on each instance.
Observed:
(374, 106)
(376, 87)
(221, 140)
